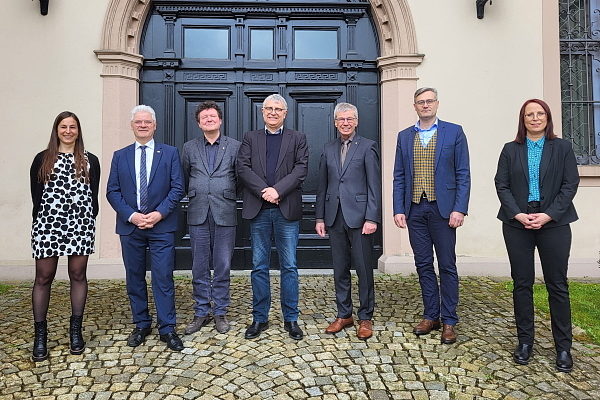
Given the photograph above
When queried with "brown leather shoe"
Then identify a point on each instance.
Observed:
(448, 334)
(426, 326)
(365, 329)
(339, 324)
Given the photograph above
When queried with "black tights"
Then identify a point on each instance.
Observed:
(45, 270)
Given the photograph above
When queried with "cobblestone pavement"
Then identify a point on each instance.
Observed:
(393, 364)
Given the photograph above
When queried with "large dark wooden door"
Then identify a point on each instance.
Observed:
(314, 53)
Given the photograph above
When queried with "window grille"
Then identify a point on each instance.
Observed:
(580, 77)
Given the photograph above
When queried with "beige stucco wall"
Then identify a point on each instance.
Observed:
(483, 69)
(48, 67)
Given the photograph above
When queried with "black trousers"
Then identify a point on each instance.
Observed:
(553, 245)
(350, 247)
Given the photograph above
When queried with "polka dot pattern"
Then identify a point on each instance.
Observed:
(64, 225)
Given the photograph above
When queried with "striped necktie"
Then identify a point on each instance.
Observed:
(143, 182)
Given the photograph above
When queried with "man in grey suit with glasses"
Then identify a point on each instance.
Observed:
(209, 170)
(348, 207)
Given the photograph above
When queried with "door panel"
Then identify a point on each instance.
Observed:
(310, 116)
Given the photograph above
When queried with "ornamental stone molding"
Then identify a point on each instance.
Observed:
(403, 67)
(123, 24)
(395, 26)
(120, 64)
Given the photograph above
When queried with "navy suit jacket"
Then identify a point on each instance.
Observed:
(165, 187)
(559, 180)
(452, 177)
(356, 186)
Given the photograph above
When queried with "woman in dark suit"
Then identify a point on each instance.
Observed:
(64, 182)
(536, 181)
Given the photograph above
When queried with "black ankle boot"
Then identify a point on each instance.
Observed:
(40, 342)
(75, 336)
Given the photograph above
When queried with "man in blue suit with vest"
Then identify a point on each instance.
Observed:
(144, 187)
(432, 184)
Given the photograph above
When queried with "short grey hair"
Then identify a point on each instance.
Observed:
(342, 107)
(143, 108)
(277, 99)
(425, 89)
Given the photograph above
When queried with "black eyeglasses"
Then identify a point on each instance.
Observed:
(277, 110)
(423, 102)
(350, 119)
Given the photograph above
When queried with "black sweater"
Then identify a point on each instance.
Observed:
(37, 188)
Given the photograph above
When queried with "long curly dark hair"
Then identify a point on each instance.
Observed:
(51, 155)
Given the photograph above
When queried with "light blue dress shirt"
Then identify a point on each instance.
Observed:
(426, 134)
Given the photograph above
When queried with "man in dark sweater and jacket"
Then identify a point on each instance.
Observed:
(272, 164)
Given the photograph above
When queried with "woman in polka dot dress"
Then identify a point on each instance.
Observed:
(64, 189)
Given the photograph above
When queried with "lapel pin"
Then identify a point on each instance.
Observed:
(158, 151)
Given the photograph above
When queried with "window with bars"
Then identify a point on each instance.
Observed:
(580, 77)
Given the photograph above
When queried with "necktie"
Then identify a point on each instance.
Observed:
(345, 144)
(143, 182)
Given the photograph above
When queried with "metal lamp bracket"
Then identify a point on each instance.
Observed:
(480, 4)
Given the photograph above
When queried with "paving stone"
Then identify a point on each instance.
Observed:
(378, 395)
(439, 395)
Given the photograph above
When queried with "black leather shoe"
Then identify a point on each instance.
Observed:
(173, 341)
(522, 353)
(294, 330)
(255, 329)
(137, 337)
(564, 361)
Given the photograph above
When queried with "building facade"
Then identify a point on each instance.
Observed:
(99, 59)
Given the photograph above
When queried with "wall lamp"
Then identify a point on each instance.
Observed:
(44, 7)
(480, 5)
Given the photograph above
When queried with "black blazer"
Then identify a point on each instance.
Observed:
(292, 167)
(559, 180)
(37, 188)
(356, 186)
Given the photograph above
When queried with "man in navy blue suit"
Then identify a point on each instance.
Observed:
(432, 184)
(144, 187)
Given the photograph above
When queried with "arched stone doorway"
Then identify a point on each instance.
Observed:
(122, 61)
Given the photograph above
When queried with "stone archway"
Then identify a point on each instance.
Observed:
(124, 20)
(120, 72)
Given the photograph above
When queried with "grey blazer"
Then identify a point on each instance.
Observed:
(217, 189)
(356, 186)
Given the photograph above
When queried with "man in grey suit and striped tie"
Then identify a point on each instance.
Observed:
(209, 170)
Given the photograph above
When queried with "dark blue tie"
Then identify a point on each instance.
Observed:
(143, 182)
